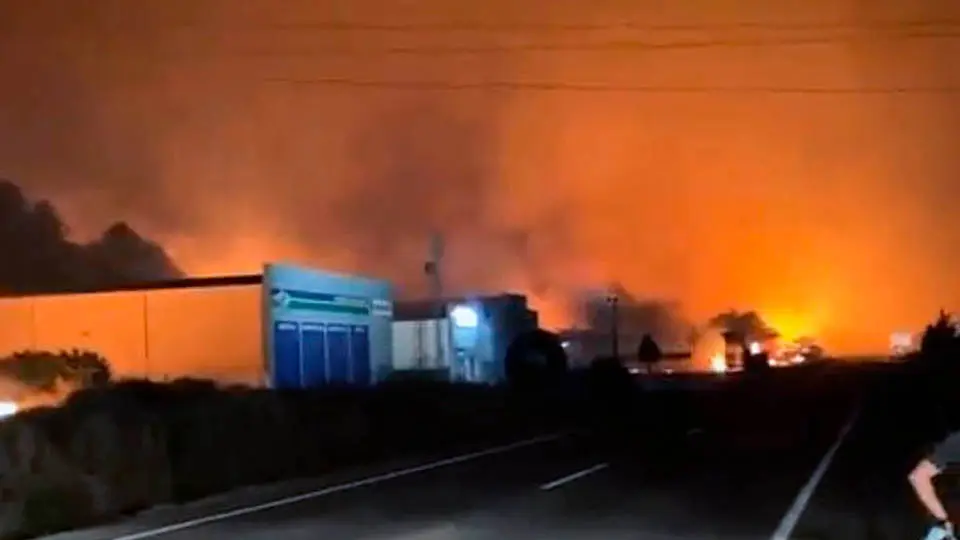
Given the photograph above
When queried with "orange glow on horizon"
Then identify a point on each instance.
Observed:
(792, 325)
(828, 214)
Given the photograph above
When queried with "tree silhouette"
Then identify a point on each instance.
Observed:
(124, 255)
(649, 352)
(39, 257)
(940, 339)
(746, 324)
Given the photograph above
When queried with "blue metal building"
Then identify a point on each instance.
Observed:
(325, 328)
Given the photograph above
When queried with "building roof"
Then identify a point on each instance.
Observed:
(426, 309)
(183, 283)
(422, 310)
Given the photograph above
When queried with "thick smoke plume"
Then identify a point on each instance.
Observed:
(38, 256)
(196, 122)
(663, 320)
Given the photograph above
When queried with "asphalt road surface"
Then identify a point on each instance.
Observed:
(754, 466)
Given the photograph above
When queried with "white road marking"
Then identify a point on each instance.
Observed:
(790, 519)
(189, 524)
(575, 476)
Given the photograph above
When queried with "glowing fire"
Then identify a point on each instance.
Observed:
(718, 363)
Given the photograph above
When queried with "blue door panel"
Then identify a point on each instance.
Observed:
(286, 355)
(338, 357)
(314, 355)
(360, 355)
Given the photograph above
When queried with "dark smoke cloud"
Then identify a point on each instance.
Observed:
(638, 316)
(424, 169)
(38, 257)
(427, 165)
(161, 110)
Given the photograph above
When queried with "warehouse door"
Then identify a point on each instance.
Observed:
(360, 355)
(286, 355)
(314, 355)
(338, 357)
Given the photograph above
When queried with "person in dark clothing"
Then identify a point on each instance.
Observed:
(944, 455)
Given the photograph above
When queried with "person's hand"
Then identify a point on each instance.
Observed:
(946, 525)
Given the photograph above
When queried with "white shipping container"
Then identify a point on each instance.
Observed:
(415, 344)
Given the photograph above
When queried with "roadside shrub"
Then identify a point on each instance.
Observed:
(49, 508)
(535, 361)
(407, 375)
(612, 391)
(609, 378)
(44, 370)
(114, 449)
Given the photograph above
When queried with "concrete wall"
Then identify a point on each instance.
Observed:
(159, 334)
(17, 327)
(214, 332)
(315, 322)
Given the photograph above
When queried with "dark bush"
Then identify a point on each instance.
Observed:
(940, 341)
(405, 375)
(114, 449)
(613, 394)
(756, 363)
(609, 377)
(44, 370)
(49, 509)
(535, 361)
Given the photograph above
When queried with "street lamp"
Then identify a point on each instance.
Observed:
(613, 300)
(465, 317)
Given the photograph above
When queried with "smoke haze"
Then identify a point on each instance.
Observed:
(636, 317)
(828, 214)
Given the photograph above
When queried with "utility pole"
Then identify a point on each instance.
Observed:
(435, 275)
(614, 302)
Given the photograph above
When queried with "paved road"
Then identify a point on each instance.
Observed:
(732, 471)
(865, 494)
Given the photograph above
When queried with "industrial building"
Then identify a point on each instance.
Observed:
(465, 339)
(286, 327)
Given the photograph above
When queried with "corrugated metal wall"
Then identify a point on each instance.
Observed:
(159, 334)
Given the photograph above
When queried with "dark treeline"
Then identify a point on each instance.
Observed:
(916, 405)
(934, 372)
(39, 257)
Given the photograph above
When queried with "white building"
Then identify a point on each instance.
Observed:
(464, 339)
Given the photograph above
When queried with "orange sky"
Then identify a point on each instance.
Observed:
(828, 214)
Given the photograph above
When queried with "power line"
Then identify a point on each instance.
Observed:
(542, 27)
(605, 88)
(618, 45)
(453, 26)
